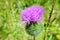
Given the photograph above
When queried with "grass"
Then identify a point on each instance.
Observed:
(11, 27)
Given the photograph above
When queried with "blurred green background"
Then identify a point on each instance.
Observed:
(11, 26)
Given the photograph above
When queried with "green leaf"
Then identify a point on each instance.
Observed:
(50, 38)
(53, 20)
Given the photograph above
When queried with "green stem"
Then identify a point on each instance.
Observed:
(45, 37)
(34, 38)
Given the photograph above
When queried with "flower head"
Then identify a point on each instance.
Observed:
(32, 14)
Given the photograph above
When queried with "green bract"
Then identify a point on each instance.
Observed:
(34, 29)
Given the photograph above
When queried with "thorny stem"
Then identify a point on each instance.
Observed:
(50, 17)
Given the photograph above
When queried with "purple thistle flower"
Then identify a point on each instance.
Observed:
(32, 14)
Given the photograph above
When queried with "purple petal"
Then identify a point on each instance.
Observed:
(32, 13)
